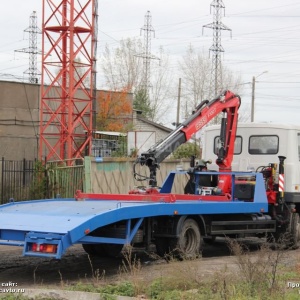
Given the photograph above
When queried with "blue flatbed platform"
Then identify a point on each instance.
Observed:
(65, 222)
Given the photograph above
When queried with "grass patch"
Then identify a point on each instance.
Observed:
(259, 275)
(121, 289)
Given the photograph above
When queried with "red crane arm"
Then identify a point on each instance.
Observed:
(228, 103)
(224, 103)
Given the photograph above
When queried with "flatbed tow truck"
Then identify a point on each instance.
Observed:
(213, 204)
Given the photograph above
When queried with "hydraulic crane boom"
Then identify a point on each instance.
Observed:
(228, 103)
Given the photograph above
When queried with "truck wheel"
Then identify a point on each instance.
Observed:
(112, 250)
(188, 244)
(89, 249)
(295, 231)
(94, 249)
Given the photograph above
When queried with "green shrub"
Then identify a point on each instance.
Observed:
(122, 289)
(187, 150)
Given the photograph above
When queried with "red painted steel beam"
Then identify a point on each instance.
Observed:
(67, 91)
(166, 198)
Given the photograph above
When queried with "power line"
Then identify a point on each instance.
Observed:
(146, 55)
(263, 9)
(217, 48)
(32, 49)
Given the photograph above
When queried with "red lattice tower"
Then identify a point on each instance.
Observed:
(68, 79)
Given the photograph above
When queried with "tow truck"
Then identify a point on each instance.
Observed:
(213, 203)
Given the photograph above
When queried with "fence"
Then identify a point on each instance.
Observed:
(29, 180)
(16, 179)
(65, 178)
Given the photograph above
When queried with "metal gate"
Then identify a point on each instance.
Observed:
(65, 177)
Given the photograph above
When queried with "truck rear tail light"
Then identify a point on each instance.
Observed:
(45, 248)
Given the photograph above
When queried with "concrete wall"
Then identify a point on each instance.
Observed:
(116, 175)
(19, 115)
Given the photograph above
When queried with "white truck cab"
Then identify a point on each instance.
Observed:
(259, 144)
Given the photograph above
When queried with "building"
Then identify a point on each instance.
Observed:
(142, 124)
(145, 134)
(108, 143)
(19, 122)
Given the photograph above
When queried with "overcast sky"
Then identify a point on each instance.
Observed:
(265, 42)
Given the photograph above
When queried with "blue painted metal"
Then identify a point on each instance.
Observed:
(61, 241)
(65, 222)
(129, 235)
(168, 183)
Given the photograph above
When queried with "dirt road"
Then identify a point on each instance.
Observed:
(77, 265)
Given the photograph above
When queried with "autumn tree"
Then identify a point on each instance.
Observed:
(114, 111)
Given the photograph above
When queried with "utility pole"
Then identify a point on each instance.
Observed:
(253, 94)
(178, 102)
(253, 99)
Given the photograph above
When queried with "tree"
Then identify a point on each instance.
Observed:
(195, 68)
(196, 76)
(141, 102)
(115, 110)
(160, 92)
(187, 150)
(124, 67)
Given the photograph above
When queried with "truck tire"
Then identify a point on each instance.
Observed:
(112, 250)
(103, 250)
(295, 231)
(188, 243)
(89, 249)
(94, 249)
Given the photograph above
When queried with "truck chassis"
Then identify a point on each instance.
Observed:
(103, 223)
